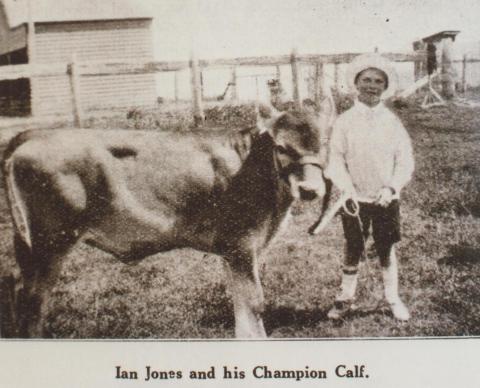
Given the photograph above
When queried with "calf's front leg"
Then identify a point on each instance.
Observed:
(247, 295)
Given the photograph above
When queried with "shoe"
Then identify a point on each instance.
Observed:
(340, 309)
(399, 310)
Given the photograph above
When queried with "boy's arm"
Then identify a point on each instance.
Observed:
(403, 160)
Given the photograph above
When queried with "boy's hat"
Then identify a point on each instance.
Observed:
(367, 61)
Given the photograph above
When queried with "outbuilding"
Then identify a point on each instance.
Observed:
(49, 32)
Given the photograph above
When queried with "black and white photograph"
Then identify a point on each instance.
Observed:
(240, 171)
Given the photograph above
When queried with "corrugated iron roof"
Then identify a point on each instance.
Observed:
(73, 10)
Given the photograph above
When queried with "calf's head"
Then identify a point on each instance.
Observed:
(296, 140)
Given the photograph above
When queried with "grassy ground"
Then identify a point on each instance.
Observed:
(181, 294)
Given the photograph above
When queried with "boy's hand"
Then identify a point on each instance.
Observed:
(349, 192)
(385, 196)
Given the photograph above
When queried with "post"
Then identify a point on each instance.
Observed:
(335, 75)
(30, 33)
(31, 54)
(176, 86)
(198, 116)
(419, 65)
(233, 84)
(75, 88)
(318, 84)
(464, 74)
(295, 87)
(278, 74)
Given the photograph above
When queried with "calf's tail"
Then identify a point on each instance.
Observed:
(16, 203)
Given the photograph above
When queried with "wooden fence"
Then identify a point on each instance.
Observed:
(76, 70)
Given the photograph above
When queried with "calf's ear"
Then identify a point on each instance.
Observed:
(267, 115)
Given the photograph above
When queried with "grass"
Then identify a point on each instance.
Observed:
(182, 294)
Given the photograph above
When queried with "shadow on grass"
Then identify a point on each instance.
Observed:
(275, 318)
(281, 317)
(302, 318)
(461, 255)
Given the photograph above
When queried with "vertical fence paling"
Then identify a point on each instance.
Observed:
(198, 115)
(74, 78)
(295, 87)
(318, 83)
(31, 51)
(176, 86)
(336, 75)
(464, 74)
(233, 84)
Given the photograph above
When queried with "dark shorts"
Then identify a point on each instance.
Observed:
(385, 226)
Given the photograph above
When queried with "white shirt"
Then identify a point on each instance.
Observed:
(370, 149)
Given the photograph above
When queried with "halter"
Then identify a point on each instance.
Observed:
(285, 171)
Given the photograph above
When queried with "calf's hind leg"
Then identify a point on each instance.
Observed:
(40, 267)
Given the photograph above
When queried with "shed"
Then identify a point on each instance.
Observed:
(93, 31)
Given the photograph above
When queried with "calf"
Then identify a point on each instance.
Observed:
(137, 193)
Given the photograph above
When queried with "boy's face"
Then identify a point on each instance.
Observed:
(371, 83)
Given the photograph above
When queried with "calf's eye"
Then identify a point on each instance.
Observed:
(281, 149)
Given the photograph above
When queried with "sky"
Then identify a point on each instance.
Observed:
(236, 28)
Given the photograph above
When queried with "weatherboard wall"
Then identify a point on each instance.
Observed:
(90, 42)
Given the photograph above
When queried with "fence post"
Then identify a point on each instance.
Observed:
(31, 53)
(335, 75)
(464, 74)
(75, 88)
(176, 86)
(233, 84)
(318, 83)
(419, 64)
(295, 88)
(198, 116)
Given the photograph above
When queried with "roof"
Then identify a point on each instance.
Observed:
(44, 11)
(441, 35)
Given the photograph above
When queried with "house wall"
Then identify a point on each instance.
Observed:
(93, 41)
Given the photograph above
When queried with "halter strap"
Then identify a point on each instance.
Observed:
(310, 159)
(304, 160)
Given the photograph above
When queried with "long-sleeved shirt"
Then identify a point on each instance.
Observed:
(370, 149)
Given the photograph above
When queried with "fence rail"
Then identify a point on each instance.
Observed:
(12, 72)
(75, 70)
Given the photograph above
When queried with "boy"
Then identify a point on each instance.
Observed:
(371, 161)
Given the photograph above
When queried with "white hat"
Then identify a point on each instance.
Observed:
(367, 61)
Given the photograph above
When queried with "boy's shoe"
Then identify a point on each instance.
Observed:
(340, 309)
(399, 310)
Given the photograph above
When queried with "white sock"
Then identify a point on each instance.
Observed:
(390, 279)
(348, 287)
